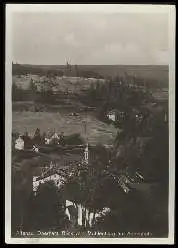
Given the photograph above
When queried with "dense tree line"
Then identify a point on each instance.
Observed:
(17, 94)
(89, 74)
(24, 70)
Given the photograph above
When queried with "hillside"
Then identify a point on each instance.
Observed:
(147, 72)
(71, 95)
(97, 132)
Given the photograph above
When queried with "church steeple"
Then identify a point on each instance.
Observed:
(86, 150)
(86, 153)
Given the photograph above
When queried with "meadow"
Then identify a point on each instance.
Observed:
(97, 132)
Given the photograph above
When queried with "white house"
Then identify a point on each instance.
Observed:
(115, 115)
(111, 116)
(54, 138)
(19, 143)
(47, 141)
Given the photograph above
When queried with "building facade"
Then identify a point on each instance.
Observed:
(19, 143)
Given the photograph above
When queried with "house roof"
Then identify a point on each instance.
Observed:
(37, 132)
(69, 203)
(114, 111)
(55, 136)
(49, 173)
(20, 138)
(49, 134)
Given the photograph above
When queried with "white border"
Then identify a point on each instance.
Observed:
(95, 8)
(172, 28)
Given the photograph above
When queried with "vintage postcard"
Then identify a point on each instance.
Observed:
(90, 124)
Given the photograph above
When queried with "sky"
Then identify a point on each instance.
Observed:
(90, 38)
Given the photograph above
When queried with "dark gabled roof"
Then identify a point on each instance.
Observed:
(115, 110)
(37, 132)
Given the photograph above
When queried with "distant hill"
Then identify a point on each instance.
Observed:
(158, 73)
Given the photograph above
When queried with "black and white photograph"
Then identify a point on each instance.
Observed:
(90, 101)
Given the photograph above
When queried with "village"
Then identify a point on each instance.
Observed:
(54, 172)
(64, 158)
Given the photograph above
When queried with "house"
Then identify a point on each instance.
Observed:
(112, 115)
(54, 139)
(49, 137)
(37, 137)
(116, 115)
(19, 143)
(27, 141)
(47, 141)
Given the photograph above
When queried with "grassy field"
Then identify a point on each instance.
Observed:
(59, 117)
(96, 131)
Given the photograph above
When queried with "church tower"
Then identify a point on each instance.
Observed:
(86, 154)
(86, 150)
